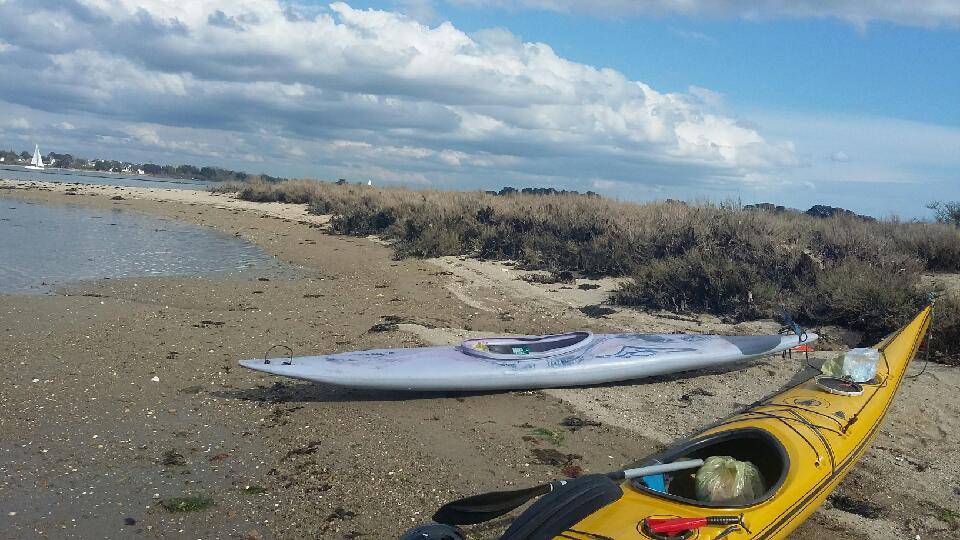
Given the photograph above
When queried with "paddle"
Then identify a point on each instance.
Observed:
(486, 506)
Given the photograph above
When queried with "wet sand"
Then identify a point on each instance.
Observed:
(120, 394)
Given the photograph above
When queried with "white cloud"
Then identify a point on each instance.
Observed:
(709, 98)
(421, 10)
(839, 156)
(929, 13)
(18, 123)
(693, 35)
(177, 141)
(363, 89)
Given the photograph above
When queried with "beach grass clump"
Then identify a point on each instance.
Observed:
(552, 436)
(258, 190)
(945, 330)
(722, 259)
(701, 281)
(191, 503)
(871, 296)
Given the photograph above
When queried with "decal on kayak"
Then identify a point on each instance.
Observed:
(810, 402)
(632, 351)
(563, 362)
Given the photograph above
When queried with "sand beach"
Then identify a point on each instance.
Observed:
(123, 395)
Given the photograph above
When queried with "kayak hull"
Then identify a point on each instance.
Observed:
(603, 358)
(803, 440)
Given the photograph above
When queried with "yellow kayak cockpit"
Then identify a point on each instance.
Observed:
(751, 445)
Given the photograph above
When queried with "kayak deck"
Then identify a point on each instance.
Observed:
(573, 359)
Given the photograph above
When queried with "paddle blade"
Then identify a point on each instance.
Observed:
(484, 507)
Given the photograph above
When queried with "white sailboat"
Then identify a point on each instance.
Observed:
(37, 162)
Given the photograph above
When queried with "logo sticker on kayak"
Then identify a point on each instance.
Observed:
(564, 361)
(809, 402)
(631, 351)
(518, 365)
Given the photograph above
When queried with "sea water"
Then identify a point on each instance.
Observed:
(69, 176)
(42, 246)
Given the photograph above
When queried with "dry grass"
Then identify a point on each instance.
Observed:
(719, 259)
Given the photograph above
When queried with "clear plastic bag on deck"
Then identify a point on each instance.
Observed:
(723, 479)
(860, 365)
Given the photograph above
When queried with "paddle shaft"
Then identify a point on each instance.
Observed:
(656, 469)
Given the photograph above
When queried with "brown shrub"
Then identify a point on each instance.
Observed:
(867, 296)
(945, 331)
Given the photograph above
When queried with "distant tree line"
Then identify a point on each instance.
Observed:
(9, 156)
(68, 161)
(817, 210)
(508, 190)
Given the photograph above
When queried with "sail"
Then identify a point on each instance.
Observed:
(37, 161)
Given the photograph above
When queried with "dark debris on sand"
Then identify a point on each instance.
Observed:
(859, 507)
(597, 311)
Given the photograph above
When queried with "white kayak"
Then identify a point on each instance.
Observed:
(500, 363)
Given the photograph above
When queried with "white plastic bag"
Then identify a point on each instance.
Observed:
(722, 479)
(860, 365)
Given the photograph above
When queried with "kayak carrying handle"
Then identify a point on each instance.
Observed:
(289, 354)
(792, 325)
(683, 527)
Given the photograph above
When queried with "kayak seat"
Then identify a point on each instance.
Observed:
(539, 344)
(563, 508)
(530, 347)
(754, 445)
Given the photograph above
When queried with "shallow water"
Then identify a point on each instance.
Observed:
(13, 172)
(42, 246)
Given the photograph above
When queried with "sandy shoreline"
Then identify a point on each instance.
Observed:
(94, 438)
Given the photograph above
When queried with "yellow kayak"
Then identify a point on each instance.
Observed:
(803, 440)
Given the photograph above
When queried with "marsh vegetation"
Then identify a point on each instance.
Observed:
(722, 259)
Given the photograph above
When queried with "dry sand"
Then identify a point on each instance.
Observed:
(119, 394)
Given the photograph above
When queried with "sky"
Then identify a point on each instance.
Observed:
(847, 103)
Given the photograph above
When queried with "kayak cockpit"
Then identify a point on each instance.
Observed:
(752, 445)
(513, 348)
